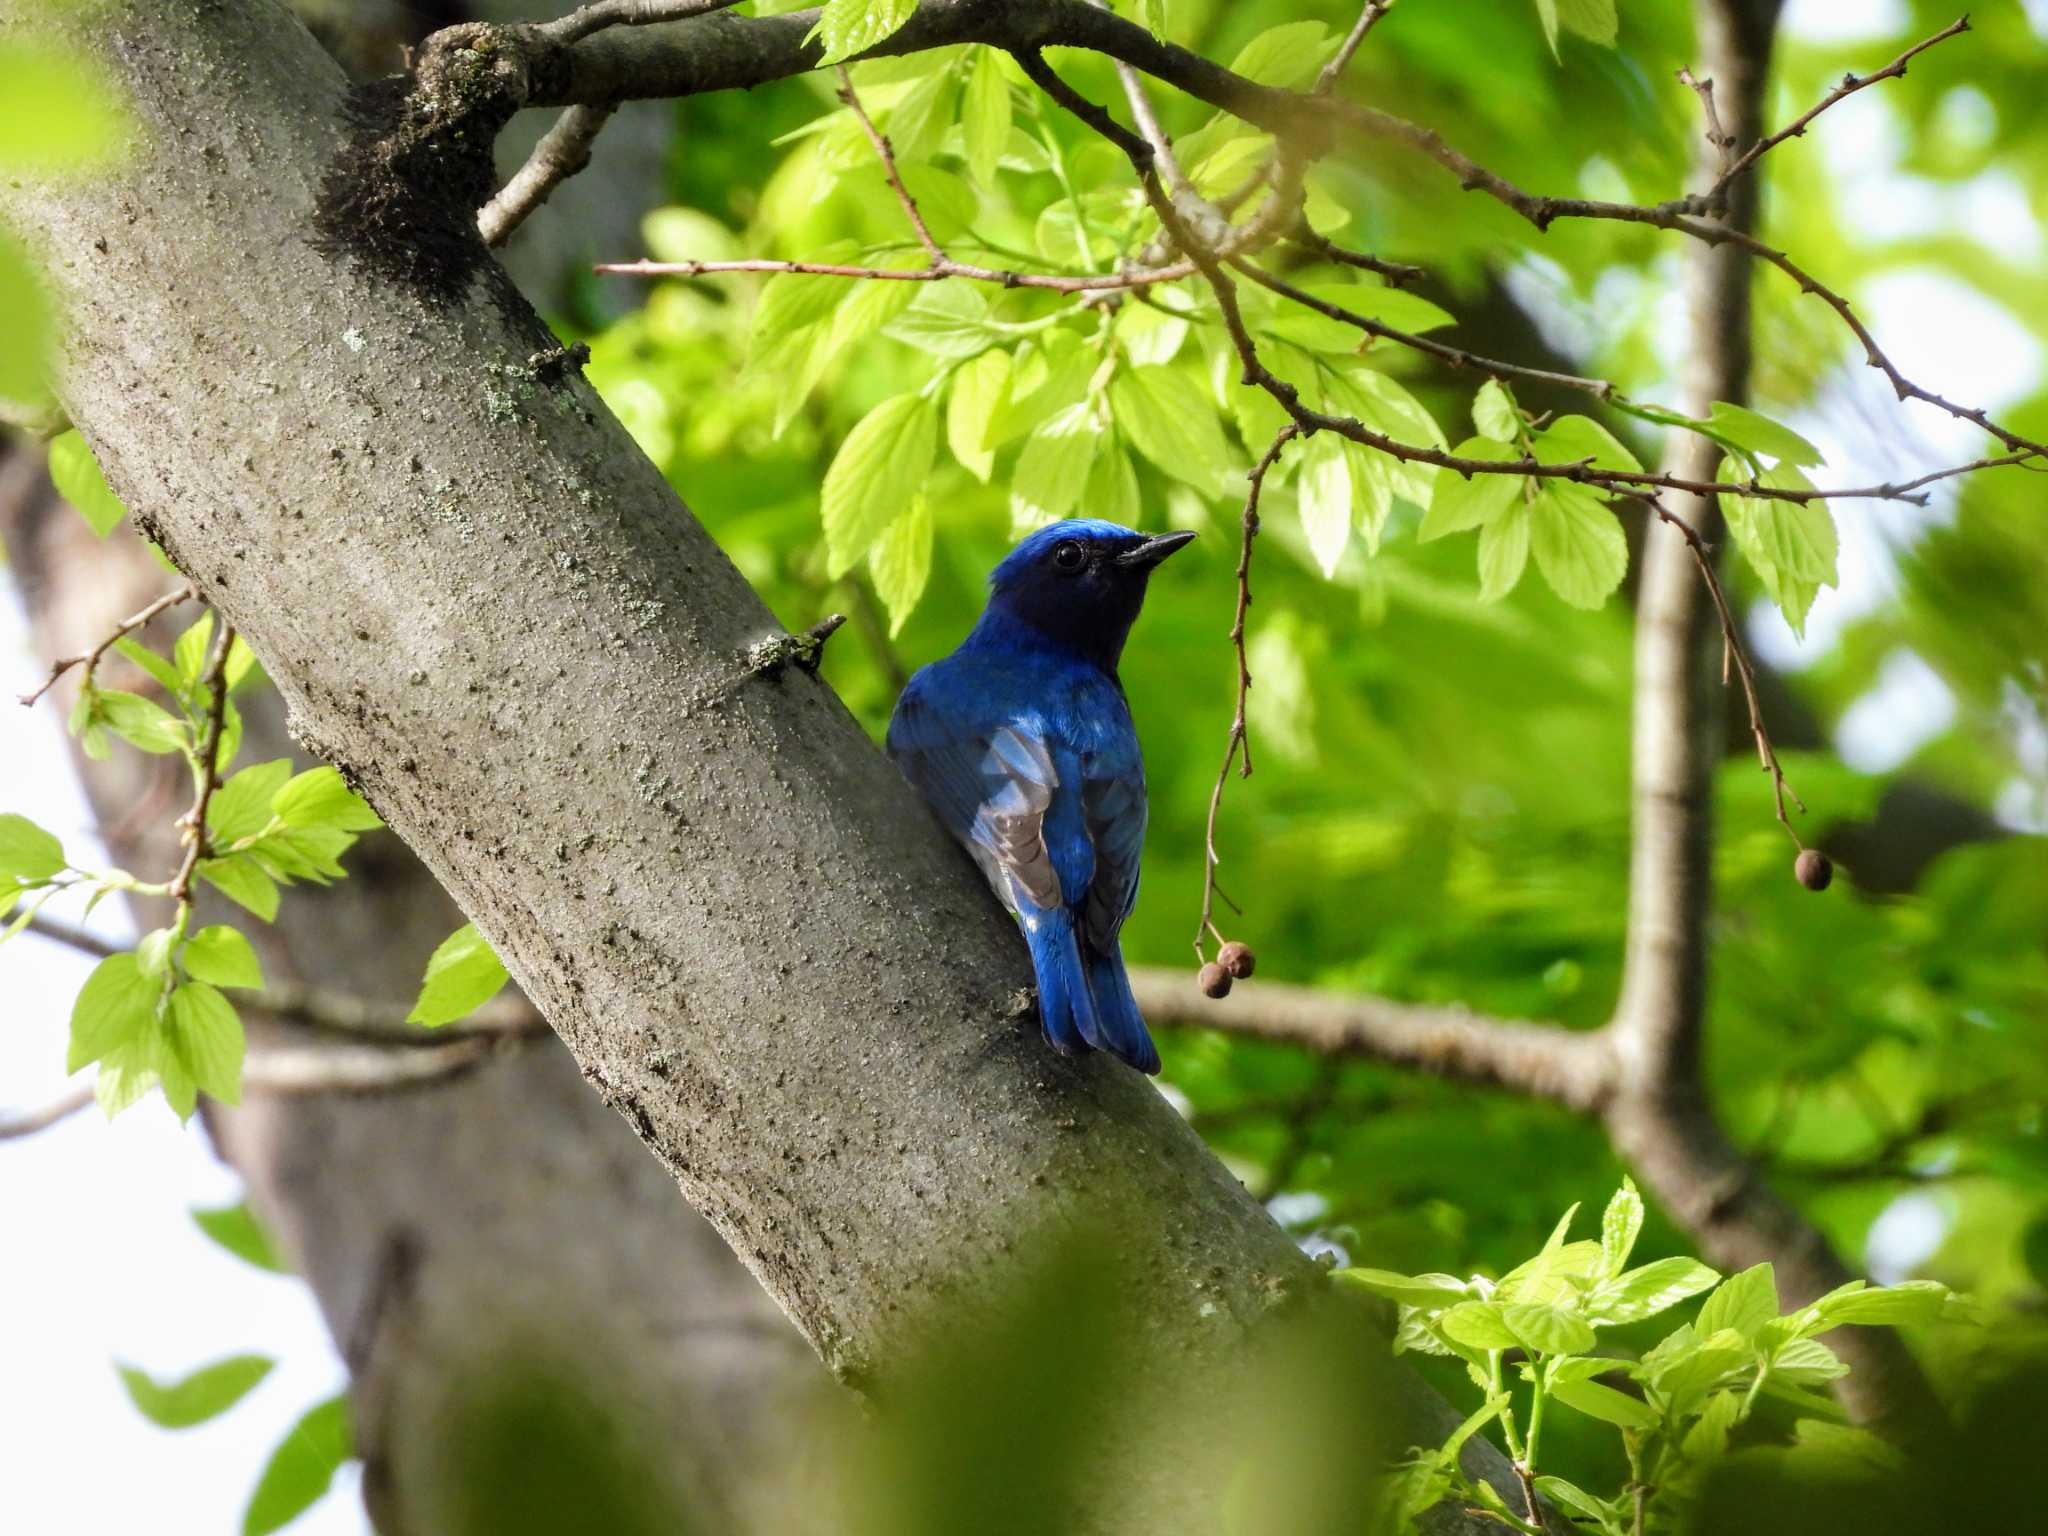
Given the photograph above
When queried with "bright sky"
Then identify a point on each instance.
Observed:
(102, 1263)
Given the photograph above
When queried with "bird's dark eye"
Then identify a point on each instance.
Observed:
(1069, 556)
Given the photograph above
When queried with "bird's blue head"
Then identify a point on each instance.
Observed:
(1081, 582)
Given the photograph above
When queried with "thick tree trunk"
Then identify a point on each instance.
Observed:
(468, 1236)
(482, 602)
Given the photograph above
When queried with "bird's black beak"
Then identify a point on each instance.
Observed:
(1148, 554)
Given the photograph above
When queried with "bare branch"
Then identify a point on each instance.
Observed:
(27, 1122)
(563, 151)
(585, 20)
(1545, 1061)
(1370, 17)
(91, 659)
(1097, 282)
(1851, 84)
(888, 159)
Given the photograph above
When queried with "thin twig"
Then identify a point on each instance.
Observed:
(1851, 84)
(580, 23)
(562, 151)
(91, 659)
(1368, 18)
(1239, 740)
(27, 1122)
(206, 773)
(945, 268)
(880, 140)
(1722, 141)
(1398, 274)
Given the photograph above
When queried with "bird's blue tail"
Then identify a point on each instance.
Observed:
(1123, 1029)
(1066, 1006)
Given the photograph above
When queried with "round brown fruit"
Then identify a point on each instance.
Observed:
(1813, 869)
(1237, 959)
(1213, 980)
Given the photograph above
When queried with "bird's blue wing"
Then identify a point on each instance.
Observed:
(991, 784)
(1113, 805)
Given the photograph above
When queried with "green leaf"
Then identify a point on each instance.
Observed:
(978, 388)
(1592, 19)
(205, 1034)
(1052, 471)
(28, 854)
(223, 956)
(206, 1393)
(1047, 378)
(116, 1007)
(791, 302)
(1579, 546)
(947, 320)
(985, 115)
(153, 953)
(901, 562)
(76, 474)
(1571, 1497)
(1170, 419)
(241, 807)
(1112, 491)
(1807, 1363)
(1620, 1225)
(1600, 1401)
(1503, 551)
(301, 1469)
(1546, 1329)
(1479, 1324)
(243, 882)
(1323, 484)
(1759, 434)
(462, 975)
(235, 1228)
(139, 722)
(1458, 502)
(188, 656)
(1495, 415)
(881, 464)
(1287, 56)
(1913, 1301)
(1546, 11)
(1743, 1302)
(165, 674)
(1573, 439)
(850, 27)
(1384, 405)
(1149, 335)
(1429, 1292)
(320, 797)
(1644, 1292)
(1791, 545)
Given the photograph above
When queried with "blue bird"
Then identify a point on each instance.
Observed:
(1022, 742)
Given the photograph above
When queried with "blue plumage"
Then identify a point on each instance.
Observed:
(1023, 743)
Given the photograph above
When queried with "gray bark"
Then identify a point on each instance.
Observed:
(466, 1235)
(489, 609)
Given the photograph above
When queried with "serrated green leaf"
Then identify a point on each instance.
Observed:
(1479, 1324)
(1112, 492)
(1386, 406)
(1546, 12)
(76, 474)
(1323, 489)
(978, 389)
(1043, 379)
(1571, 1497)
(1170, 419)
(28, 854)
(1912, 1301)
(1759, 434)
(849, 27)
(1620, 1224)
(1546, 1329)
(1426, 1292)
(1572, 439)
(1578, 545)
(880, 465)
(153, 953)
(140, 723)
(1594, 20)
(236, 1229)
(1639, 1293)
(1148, 335)
(901, 562)
(115, 1008)
(1458, 503)
(320, 797)
(1052, 471)
(1288, 55)
(301, 1469)
(205, 1033)
(791, 302)
(223, 956)
(243, 882)
(1495, 415)
(162, 671)
(1744, 1302)
(1807, 1363)
(985, 115)
(463, 974)
(948, 320)
(1791, 545)
(241, 807)
(1503, 551)
(1600, 1401)
(207, 1392)
(188, 656)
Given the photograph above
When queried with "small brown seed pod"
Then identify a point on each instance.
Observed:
(1213, 980)
(1238, 959)
(1813, 869)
